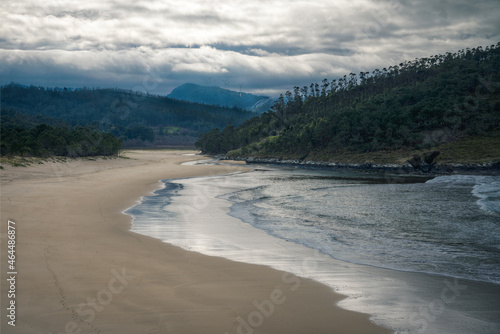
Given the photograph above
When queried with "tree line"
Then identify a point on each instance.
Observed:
(386, 109)
(21, 135)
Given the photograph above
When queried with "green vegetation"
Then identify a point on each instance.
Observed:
(472, 149)
(171, 130)
(387, 114)
(23, 135)
(137, 119)
(18, 161)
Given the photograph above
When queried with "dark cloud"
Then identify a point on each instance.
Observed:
(264, 46)
(78, 14)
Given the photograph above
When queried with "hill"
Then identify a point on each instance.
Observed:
(25, 135)
(411, 106)
(221, 97)
(137, 119)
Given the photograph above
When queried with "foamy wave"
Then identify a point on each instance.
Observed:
(486, 188)
(460, 179)
(489, 196)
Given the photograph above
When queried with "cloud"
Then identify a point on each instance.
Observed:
(266, 46)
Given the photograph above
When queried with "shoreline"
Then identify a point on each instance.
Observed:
(491, 168)
(396, 306)
(81, 268)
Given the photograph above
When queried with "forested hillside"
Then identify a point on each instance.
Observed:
(417, 104)
(22, 134)
(136, 118)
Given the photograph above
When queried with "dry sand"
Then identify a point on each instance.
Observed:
(80, 269)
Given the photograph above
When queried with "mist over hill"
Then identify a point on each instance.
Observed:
(213, 95)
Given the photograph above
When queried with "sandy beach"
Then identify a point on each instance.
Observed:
(81, 270)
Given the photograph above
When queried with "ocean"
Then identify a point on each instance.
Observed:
(420, 255)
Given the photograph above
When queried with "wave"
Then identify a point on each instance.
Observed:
(321, 228)
(489, 196)
(485, 188)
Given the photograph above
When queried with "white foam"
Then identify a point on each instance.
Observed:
(485, 188)
(197, 220)
(489, 196)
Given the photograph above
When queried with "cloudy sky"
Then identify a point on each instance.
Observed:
(262, 46)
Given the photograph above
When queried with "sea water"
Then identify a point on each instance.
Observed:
(419, 255)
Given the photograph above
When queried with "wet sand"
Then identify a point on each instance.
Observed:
(81, 270)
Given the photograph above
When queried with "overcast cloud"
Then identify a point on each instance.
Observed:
(262, 46)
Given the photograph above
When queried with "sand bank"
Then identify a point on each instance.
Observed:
(80, 269)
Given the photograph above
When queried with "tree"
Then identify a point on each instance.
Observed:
(389, 109)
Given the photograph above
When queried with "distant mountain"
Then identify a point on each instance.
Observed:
(222, 97)
(133, 117)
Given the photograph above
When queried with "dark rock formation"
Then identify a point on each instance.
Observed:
(414, 166)
(426, 164)
(416, 162)
(429, 157)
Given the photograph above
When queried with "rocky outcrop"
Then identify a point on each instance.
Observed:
(403, 168)
(417, 165)
(426, 164)
(429, 157)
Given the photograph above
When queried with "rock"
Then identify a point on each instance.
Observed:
(416, 165)
(416, 162)
(429, 158)
(426, 164)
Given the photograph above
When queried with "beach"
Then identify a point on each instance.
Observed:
(419, 255)
(79, 268)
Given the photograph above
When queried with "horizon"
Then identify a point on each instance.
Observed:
(123, 89)
(257, 47)
(210, 83)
